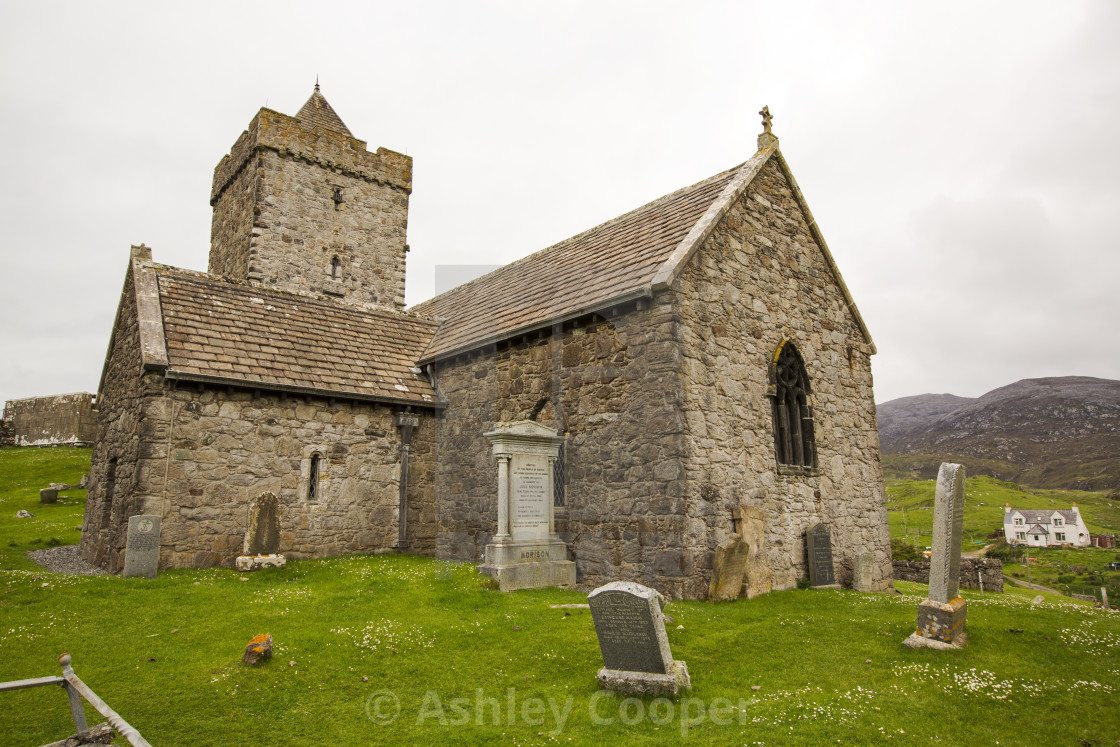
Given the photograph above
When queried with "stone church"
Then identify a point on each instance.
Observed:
(701, 357)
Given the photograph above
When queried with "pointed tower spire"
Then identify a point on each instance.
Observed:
(318, 113)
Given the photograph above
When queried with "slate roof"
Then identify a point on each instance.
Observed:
(316, 112)
(1040, 515)
(218, 330)
(616, 258)
(623, 259)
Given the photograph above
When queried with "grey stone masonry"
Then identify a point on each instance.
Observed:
(948, 527)
(141, 556)
(972, 571)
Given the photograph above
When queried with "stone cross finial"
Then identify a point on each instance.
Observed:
(767, 119)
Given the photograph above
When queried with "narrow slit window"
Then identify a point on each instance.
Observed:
(558, 498)
(313, 479)
(336, 268)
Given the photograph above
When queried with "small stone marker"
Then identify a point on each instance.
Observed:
(1104, 597)
(257, 650)
(48, 495)
(21, 514)
(750, 525)
(941, 617)
(863, 579)
(141, 553)
(818, 545)
(631, 632)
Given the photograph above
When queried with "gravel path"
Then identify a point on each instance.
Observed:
(65, 559)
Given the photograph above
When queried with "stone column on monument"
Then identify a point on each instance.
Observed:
(503, 495)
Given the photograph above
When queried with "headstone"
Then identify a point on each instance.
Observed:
(263, 535)
(48, 495)
(1104, 597)
(864, 577)
(261, 548)
(631, 631)
(818, 545)
(750, 525)
(141, 553)
(525, 551)
(941, 617)
(728, 569)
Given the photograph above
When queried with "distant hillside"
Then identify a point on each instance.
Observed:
(1061, 432)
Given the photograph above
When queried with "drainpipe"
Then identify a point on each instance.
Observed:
(406, 421)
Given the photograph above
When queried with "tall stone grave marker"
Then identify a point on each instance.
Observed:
(818, 545)
(864, 576)
(262, 537)
(526, 552)
(941, 618)
(631, 632)
(141, 548)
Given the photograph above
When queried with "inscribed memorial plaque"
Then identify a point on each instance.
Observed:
(529, 476)
(818, 544)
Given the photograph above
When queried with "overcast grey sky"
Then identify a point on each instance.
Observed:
(961, 158)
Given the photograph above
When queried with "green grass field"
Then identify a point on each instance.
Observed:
(408, 650)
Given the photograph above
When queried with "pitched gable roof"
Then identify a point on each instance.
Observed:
(629, 257)
(195, 327)
(316, 112)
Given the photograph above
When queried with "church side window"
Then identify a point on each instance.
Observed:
(558, 498)
(313, 478)
(336, 268)
(794, 441)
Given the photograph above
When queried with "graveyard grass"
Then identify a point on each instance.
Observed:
(829, 665)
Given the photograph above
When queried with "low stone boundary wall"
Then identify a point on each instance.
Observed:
(990, 569)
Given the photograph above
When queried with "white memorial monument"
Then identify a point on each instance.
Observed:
(526, 552)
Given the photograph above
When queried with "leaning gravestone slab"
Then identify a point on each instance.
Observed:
(631, 632)
(261, 548)
(141, 549)
(941, 617)
(818, 544)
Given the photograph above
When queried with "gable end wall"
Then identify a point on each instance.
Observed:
(758, 279)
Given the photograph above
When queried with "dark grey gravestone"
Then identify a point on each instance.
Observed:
(48, 495)
(631, 632)
(141, 553)
(263, 534)
(818, 545)
(630, 628)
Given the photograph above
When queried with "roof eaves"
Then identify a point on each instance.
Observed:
(173, 375)
(634, 294)
(677, 260)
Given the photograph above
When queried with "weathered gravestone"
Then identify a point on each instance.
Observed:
(262, 537)
(631, 632)
(818, 546)
(526, 552)
(739, 568)
(864, 576)
(141, 548)
(729, 566)
(941, 617)
(48, 495)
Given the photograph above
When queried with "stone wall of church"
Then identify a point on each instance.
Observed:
(761, 278)
(208, 455)
(611, 386)
(231, 223)
(115, 462)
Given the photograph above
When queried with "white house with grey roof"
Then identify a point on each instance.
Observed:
(1044, 527)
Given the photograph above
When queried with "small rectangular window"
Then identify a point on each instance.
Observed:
(1018, 522)
(1020, 535)
(1061, 537)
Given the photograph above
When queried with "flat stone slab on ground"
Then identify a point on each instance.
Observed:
(256, 562)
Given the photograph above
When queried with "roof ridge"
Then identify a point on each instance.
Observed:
(575, 237)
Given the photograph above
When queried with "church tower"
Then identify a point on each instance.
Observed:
(301, 205)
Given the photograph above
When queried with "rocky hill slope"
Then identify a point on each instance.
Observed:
(1061, 432)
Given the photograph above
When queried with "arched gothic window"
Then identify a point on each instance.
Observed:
(794, 442)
